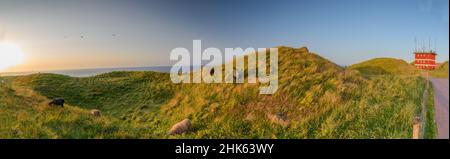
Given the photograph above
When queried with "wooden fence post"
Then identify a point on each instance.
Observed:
(416, 128)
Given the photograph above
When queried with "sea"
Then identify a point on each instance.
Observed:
(91, 72)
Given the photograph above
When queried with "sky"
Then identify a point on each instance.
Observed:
(72, 34)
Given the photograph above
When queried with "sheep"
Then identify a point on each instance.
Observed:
(181, 127)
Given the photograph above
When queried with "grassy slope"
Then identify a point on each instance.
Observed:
(385, 66)
(441, 71)
(316, 99)
(388, 66)
(122, 94)
(24, 114)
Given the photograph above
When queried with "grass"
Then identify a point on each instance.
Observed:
(122, 94)
(385, 66)
(24, 114)
(316, 99)
(430, 125)
(320, 101)
(441, 71)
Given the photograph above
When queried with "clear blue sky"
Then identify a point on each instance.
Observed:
(143, 32)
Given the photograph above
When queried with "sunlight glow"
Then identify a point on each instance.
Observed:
(10, 55)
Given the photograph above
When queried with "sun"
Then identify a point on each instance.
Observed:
(10, 55)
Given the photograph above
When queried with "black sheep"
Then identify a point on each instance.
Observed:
(57, 102)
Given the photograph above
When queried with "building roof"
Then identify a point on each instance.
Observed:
(431, 52)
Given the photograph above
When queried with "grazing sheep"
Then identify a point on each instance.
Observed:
(95, 112)
(211, 72)
(57, 102)
(181, 127)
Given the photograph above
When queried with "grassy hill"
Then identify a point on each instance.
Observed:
(441, 71)
(316, 99)
(118, 93)
(385, 66)
(25, 114)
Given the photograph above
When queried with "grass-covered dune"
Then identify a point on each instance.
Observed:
(441, 71)
(119, 94)
(316, 99)
(25, 114)
(385, 66)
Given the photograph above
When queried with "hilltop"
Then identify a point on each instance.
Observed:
(385, 66)
(316, 99)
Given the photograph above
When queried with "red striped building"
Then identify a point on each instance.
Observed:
(425, 60)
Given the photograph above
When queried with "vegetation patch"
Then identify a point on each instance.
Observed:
(430, 125)
(441, 71)
(316, 99)
(385, 66)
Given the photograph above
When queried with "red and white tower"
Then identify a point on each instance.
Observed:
(425, 56)
(425, 60)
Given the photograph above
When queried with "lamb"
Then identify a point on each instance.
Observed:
(95, 112)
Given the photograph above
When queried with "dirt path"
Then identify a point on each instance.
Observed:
(441, 103)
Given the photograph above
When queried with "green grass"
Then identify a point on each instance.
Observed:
(316, 99)
(430, 125)
(27, 116)
(385, 66)
(122, 94)
(441, 71)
